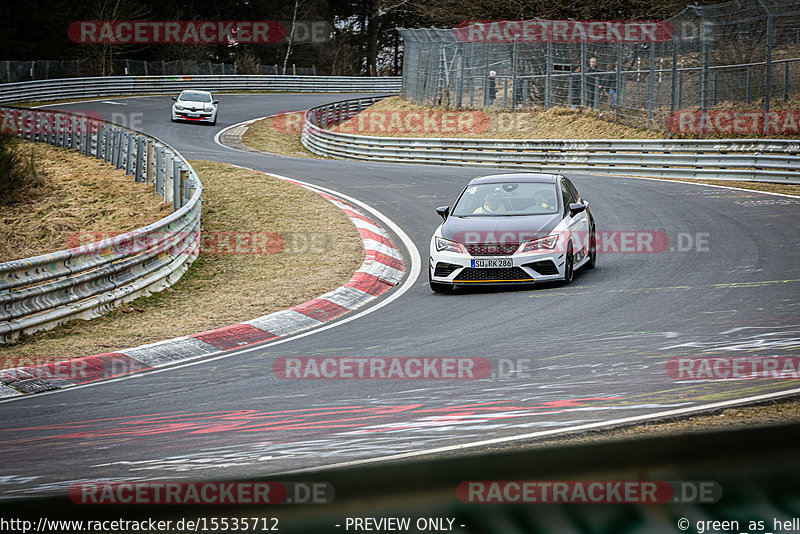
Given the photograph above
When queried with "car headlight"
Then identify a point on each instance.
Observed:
(543, 243)
(449, 246)
(178, 107)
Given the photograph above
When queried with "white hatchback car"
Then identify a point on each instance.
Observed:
(195, 106)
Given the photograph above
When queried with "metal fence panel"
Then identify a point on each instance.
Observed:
(741, 54)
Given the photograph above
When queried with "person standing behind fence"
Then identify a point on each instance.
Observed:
(591, 83)
(575, 87)
(491, 90)
(609, 87)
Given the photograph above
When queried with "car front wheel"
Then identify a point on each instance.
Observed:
(569, 265)
(592, 250)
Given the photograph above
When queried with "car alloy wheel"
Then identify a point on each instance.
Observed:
(569, 265)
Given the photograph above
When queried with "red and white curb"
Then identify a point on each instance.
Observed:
(383, 268)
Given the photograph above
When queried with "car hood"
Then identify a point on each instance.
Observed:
(491, 229)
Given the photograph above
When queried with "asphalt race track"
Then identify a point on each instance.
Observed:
(588, 353)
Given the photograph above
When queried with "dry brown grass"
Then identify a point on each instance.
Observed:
(79, 194)
(278, 135)
(222, 289)
(554, 123)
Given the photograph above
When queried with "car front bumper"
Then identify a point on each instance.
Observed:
(456, 268)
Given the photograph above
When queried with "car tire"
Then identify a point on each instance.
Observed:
(569, 265)
(439, 287)
(592, 263)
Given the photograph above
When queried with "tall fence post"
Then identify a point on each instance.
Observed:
(516, 88)
(548, 83)
(486, 70)
(620, 80)
(768, 62)
(651, 82)
(704, 76)
(673, 95)
(786, 82)
(749, 89)
(583, 73)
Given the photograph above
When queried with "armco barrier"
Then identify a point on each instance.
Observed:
(760, 160)
(88, 280)
(131, 85)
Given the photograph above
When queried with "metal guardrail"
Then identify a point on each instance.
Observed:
(88, 280)
(760, 160)
(126, 85)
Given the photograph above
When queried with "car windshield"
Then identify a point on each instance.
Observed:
(195, 96)
(507, 199)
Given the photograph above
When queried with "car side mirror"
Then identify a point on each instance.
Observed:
(575, 208)
(443, 211)
(174, 98)
(216, 101)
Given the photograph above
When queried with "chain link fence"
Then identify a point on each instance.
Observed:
(741, 55)
(22, 71)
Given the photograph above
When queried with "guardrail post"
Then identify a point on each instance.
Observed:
(139, 176)
(73, 131)
(160, 161)
(168, 170)
(108, 139)
(148, 178)
(129, 153)
(118, 138)
(184, 176)
(58, 131)
(176, 184)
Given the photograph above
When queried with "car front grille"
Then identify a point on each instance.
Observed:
(507, 274)
(543, 267)
(492, 249)
(445, 269)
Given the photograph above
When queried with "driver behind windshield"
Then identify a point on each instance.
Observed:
(491, 204)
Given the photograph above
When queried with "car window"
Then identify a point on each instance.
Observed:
(507, 199)
(572, 189)
(567, 197)
(195, 96)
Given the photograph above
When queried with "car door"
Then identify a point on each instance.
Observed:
(578, 226)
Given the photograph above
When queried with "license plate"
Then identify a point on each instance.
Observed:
(491, 264)
(192, 114)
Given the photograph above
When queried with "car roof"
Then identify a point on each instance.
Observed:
(533, 177)
(196, 91)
